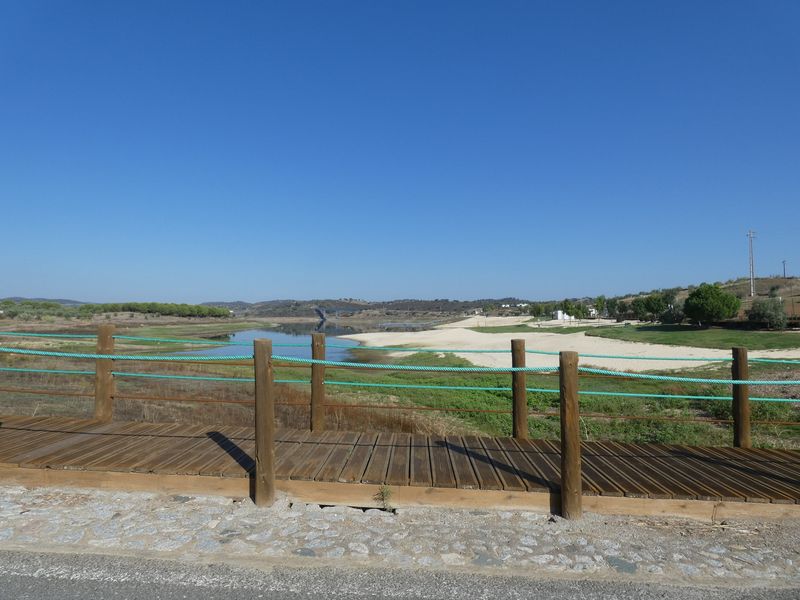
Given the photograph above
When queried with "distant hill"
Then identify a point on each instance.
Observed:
(352, 306)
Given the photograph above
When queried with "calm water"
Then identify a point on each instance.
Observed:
(278, 338)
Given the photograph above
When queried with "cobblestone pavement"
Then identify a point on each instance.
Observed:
(214, 529)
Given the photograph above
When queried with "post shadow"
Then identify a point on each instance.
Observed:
(240, 456)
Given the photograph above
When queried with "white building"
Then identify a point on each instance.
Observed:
(560, 315)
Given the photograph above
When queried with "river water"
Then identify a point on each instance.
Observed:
(294, 344)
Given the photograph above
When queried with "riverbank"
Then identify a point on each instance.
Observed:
(462, 336)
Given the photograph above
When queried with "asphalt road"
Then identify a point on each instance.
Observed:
(25, 576)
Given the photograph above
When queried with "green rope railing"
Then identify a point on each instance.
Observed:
(424, 368)
(780, 361)
(135, 357)
(684, 379)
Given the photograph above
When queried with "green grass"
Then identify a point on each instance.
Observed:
(522, 328)
(712, 337)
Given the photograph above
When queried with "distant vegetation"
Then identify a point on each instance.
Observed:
(36, 309)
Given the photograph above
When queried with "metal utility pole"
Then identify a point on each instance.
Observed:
(784, 268)
(751, 235)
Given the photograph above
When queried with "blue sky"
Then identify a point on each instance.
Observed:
(197, 151)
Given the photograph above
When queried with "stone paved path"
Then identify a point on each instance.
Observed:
(213, 529)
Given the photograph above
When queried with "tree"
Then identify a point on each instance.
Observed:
(768, 311)
(708, 303)
(655, 304)
(580, 311)
(600, 305)
(639, 308)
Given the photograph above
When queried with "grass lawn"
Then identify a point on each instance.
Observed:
(712, 337)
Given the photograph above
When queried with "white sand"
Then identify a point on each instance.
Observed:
(456, 336)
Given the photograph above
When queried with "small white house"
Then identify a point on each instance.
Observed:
(560, 315)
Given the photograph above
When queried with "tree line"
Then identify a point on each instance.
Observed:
(33, 309)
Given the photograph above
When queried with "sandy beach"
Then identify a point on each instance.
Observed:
(459, 336)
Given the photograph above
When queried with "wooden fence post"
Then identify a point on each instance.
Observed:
(740, 371)
(264, 489)
(570, 437)
(103, 378)
(318, 383)
(520, 394)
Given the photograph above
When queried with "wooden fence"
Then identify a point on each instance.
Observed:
(264, 392)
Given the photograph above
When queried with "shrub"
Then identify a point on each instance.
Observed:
(710, 303)
(769, 312)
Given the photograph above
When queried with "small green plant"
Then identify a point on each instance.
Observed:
(384, 497)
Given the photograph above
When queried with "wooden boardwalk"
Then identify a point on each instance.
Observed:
(415, 462)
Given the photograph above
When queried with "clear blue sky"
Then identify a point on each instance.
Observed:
(195, 151)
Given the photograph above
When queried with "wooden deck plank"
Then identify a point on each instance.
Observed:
(101, 445)
(544, 461)
(298, 460)
(16, 441)
(161, 445)
(533, 480)
(441, 470)
(593, 481)
(126, 451)
(777, 475)
(43, 454)
(677, 485)
(399, 463)
(356, 464)
(375, 472)
(462, 466)
(760, 489)
(285, 461)
(726, 490)
(505, 471)
(618, 471)
(420, 461)
(209, 447)
(483, 465)
(338, 457)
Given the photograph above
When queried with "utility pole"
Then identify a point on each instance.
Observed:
(784, 268)
(751, 235)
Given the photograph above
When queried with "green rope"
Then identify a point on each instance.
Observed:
(333, 363)
(54, 371)
(139, 357)
(684, 379)
(780, 361)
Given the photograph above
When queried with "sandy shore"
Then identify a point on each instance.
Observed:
(456, 336)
